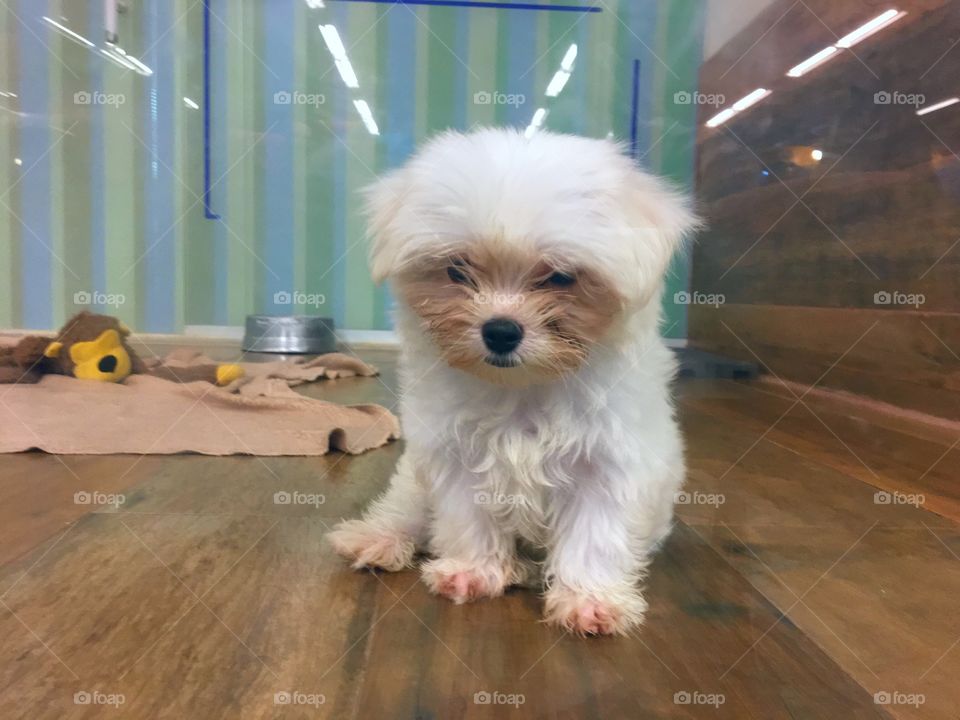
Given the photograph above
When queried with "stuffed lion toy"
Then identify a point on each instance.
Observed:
(94, 347)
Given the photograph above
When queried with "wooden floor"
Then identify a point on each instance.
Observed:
(789, 589)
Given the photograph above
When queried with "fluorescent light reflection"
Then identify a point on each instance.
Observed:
(64, 30)
(536, 122)
(811, 62)
(738, 107)
(366, 116)
(938, 106)
(335, 45)
(868, 29)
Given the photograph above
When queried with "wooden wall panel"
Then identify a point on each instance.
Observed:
(903, 358)
(805, 252)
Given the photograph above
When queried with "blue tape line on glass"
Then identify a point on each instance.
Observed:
(208, 212)
(634, 109)
(482, 4)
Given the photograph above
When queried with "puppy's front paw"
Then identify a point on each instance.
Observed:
(612, 612)
(464, 582)
(366, 545)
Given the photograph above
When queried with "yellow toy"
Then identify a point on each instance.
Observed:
(94, 347)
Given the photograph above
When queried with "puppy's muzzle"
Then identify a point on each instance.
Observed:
(501, 335)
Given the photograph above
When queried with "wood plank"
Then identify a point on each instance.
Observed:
(911, 360)
(116, 598)
(886, 610)
(279, 612)
(885, 458)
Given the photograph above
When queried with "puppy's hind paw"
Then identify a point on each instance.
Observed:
(366, 545)
(602, 613)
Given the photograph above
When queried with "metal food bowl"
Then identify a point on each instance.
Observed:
(289, 334)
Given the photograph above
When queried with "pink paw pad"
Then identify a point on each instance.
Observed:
(462, 587)
(592, 619)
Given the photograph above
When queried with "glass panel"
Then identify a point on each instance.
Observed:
(173, 201)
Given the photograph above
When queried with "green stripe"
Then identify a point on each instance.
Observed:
(444, 68)
(561, 33)
(241, 262)
(121, 189)
(318, 147)
(360, 167)
(381, 319)
(482, 58)
(178, 164)
(679, 46)
(71, 161)
(196, 232)
(57, 108)
(600, 56)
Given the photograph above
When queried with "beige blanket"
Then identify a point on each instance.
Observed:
(258, 414)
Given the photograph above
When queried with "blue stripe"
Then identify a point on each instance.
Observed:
(482, 4)
(400, 96)
(521, 57)
(400, 106)
(343, 110)
(35, 140)
(278, 76)
(159, 311)
(643, 19)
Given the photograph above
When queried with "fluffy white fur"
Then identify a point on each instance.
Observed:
(584, 464)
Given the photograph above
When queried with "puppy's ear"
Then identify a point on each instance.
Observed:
(660, 219)
(384, 201)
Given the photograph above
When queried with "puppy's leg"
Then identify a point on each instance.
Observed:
(392, 527)
(600, 545)
(475, 555)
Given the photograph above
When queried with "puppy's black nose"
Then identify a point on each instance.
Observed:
(107, 364)
(501, 335)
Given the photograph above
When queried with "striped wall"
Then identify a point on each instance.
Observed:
(107, 201)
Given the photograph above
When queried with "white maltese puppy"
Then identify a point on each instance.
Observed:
(536, 387)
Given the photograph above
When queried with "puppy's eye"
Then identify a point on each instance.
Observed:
(457, 275)
(559, 279)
